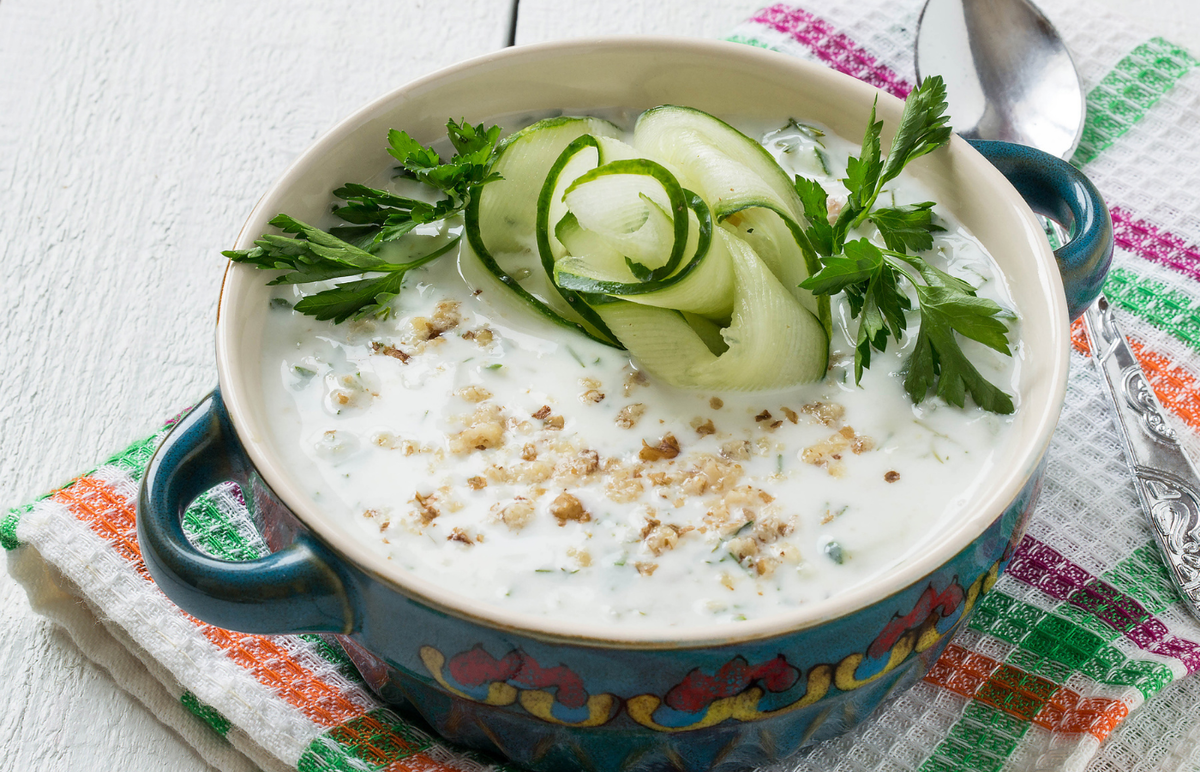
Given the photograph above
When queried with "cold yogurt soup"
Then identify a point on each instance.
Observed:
(507, 458)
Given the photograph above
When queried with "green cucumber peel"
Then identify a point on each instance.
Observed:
(577, 303)
(475, 240)
(675, 197)
(579, 283)
(811, 260)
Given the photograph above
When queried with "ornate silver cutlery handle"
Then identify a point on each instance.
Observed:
(1166, 480)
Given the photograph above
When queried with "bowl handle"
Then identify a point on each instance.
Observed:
(1055, 189)
(293, 590)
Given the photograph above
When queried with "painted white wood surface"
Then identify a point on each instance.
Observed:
(134, 138)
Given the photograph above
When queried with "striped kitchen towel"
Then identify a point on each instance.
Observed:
(1076, 660)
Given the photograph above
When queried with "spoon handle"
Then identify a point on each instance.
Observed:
(1166, 480)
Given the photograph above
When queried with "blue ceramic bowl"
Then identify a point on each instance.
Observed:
(556, 696)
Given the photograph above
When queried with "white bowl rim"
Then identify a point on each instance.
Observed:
(842, 604)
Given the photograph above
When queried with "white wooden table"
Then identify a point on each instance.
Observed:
(134, 139)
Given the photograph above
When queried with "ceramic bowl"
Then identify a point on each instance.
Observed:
(556, 696)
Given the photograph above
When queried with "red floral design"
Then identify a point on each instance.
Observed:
(930, 603)
(476, 667)
(697, 690)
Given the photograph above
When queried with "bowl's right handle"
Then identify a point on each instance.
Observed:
(1055, 189)
(294, 590)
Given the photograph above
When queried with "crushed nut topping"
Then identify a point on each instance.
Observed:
(476, 483)
(428, 513)
(668, 447)
(541, 413)
(591, 397)
(460, 535)
(827, 413)
(646, 569)
(445, 318)
(737, 450)
(473, 393)
(703, 428)
(485, 429)
(389, 351)
(716, 403)
(629, 415)
(891, 476)
(763, 416)
(566, 507)
(828, 452)
(515, 515)
(790, 414)
(529, 452)
(555, 422)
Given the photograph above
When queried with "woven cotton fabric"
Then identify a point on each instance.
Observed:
(1078, 659)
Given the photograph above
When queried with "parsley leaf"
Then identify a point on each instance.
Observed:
(871, 279)
(906, 227)
(376, 217)
(315, 255)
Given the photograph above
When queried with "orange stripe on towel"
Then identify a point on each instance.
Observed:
(112, 518)
(1024, 695)
(1176, 387)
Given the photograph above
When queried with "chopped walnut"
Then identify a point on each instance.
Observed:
(485, 429)
(582, 556)
(771, 527)
(668, 447)
(428, 513)
(891, 476)
(460, 535)
(567, 507)
(591, 397)
(646, 569)
(476, 483)
(860, 444)
(827, 413)
(716, 403)
(703, 428)
(736, 450)
(529, 452)
(473, 393)
(790, 414)
(828, 452)
(661, 538)
(589, 383)
(389, 351)
(719, 475)
(541, 413)
(515, 515)
(742, 548)
(763, 416)
(527, 474)
(586, 462)
(445, 317)
(624, 484)
(555, 422)
(628, 416)
(765, 566)
(775, 425)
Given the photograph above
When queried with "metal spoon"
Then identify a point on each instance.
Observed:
(1010, 77)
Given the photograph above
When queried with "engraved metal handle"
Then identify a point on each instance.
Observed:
(1166, 480)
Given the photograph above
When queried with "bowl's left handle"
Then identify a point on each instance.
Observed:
(297, 589)
(1054, 188)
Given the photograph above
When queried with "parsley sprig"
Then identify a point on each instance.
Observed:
(874, 279)
(376, 217)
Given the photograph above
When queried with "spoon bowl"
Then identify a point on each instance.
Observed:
(1008, 73)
